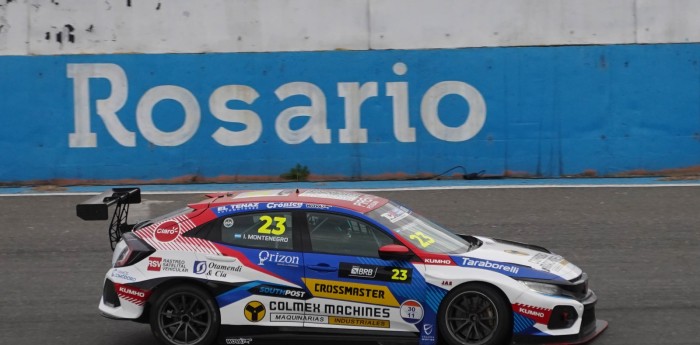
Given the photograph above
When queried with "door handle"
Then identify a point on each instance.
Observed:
(221, 258)
(323, 268)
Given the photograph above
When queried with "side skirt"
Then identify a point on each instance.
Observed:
(229, 334)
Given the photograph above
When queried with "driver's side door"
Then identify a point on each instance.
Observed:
(352, 287)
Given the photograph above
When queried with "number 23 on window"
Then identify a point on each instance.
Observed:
(422, 239)
(279, 225)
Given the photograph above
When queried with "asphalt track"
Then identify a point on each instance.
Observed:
(640, 246)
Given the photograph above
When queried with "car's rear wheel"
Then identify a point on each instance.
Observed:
(184, 315)
(475, 314)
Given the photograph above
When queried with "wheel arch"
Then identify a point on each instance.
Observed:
(478, 282)
(441, 307)
(164, 285)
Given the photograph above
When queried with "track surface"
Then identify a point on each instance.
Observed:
(640, 246)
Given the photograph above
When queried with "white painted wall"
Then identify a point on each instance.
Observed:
(32, 27)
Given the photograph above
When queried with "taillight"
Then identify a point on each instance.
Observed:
(130, 250)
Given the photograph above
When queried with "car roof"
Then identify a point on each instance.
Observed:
(355, 201)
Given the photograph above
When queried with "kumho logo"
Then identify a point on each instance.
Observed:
(132, 292)
(531, 312)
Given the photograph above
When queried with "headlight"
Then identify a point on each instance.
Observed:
(547, 289)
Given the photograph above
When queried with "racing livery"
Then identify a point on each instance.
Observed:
(249, 266)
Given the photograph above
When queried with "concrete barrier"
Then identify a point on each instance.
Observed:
(545, 111)
(120, 90)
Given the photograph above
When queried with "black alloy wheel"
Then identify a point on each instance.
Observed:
(184, 315)
(475, 314)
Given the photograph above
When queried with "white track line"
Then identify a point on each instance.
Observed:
(398, 189)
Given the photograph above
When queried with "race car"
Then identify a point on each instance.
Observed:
(249, 266)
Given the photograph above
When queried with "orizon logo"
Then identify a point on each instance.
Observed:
(277, 258)
(199, 267)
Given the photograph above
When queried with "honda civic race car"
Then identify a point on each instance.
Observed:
(248, 266)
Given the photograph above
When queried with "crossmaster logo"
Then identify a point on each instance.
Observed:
(199, 267)
(254, 311)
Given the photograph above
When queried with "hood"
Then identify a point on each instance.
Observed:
(532, 261)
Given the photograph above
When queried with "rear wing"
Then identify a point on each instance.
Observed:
(97, 208)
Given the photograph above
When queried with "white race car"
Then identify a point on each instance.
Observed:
(248, 266)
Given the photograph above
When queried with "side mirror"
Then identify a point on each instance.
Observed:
(395, 252)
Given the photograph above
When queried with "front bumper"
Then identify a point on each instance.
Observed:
(590, 328)
(581, 338)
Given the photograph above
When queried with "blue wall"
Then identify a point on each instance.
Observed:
(550, 111)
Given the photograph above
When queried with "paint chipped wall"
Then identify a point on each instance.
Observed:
(39, 27)
(50, 27)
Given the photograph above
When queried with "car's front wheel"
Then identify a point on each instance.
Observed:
(475, 314)
(184, 315)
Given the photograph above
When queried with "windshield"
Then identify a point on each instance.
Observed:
(418, 230)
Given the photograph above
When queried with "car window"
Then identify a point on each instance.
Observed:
(272, 230)
(418, 230)
(337, 234)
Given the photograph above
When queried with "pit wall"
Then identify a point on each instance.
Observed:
(375, 96)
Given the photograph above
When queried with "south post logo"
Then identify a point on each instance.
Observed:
(355, 292)
(254, 311)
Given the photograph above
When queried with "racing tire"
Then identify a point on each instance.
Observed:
(475, 314)
(185, 315)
